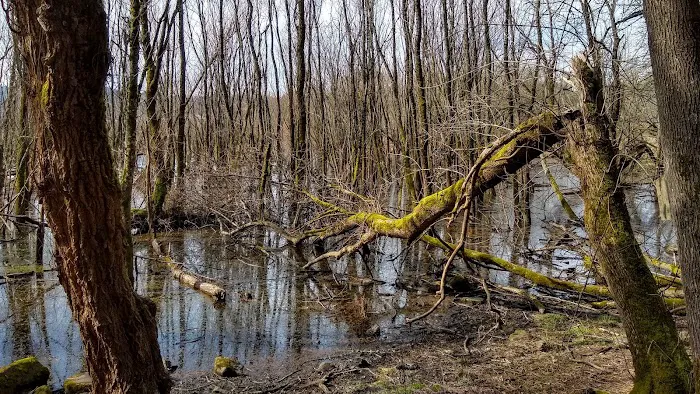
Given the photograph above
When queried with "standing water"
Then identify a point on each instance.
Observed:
(275, 311)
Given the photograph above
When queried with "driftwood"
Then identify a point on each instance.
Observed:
(197, 282)
(190, 279)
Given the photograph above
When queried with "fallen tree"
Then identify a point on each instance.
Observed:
(659, 363)
(528, 141)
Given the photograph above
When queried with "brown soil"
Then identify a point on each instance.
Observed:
(457, 351)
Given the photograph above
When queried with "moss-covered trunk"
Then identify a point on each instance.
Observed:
(22, 156)
(132, 104)
(660, 361)
(153, 57)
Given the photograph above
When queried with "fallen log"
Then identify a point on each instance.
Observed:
(197, 282)
(675, 270)
(672, 298)
(532, 276)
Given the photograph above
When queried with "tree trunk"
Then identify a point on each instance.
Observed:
(65, 47)
(674, 42)
(421, 101)
(180, 141)
(299, 142)
(132, 105)
(153, 56)
(22, 154)
(660, 362)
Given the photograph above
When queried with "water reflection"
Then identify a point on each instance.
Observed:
(554, 244)
(273, 310)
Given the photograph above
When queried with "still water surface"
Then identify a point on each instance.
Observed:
(275, 311)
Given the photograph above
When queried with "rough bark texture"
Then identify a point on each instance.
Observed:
(64, 45)
(132, 105)
(660, 362)
(674, 40)
(22, 163)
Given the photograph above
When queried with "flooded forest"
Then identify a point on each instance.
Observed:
(349, 196)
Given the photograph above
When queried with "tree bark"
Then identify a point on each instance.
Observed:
(299, 147)
(674, 41)
(132, 104)
(65, 48)
(180, 141)
(661, 364)
(22, 154)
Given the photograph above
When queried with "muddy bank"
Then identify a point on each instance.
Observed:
(459, 350)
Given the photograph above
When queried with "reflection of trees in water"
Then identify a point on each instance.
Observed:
(19, 300)
(34, 315)
(284, 315)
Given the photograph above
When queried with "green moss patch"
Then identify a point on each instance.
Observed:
(226, 367)
(76, 384)
(24, 374)
(551, 321)
(42, 390)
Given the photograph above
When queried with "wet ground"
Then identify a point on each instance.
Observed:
(455, 351)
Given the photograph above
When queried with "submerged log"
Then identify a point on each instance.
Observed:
(197, 282)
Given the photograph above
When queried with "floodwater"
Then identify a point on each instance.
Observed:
(275, 311)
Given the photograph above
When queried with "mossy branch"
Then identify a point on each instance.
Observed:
(560, 196)
(505, 156)
(532, 276)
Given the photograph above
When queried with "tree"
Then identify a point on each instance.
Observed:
(674, 43)
(22, 162)
(132, 105)
(299, 142)
(64, 45)
(660, 364)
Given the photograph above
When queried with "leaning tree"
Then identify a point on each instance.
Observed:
(64, 47)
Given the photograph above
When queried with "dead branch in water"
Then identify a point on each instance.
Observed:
(190, 279)
(195, 281)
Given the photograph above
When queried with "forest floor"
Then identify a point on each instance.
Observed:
(456, 350)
